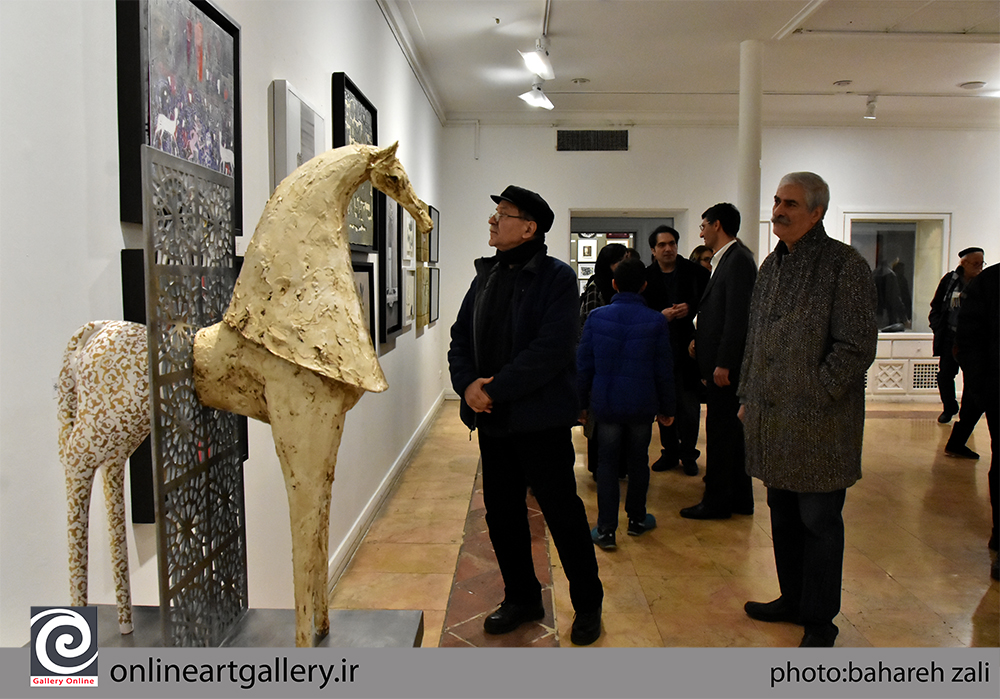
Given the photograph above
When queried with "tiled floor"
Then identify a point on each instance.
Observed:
(916, 569)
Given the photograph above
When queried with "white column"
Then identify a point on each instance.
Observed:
(748, 173)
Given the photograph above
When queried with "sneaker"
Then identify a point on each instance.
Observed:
(962, 452)
(604, 539)
(586, 627)
(635, 527)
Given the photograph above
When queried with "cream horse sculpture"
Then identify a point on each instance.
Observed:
(294, 351)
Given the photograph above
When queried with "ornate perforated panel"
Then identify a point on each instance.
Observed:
(890, 376)
(197, 454)
(925, 376)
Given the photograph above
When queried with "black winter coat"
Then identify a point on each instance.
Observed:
(536, 389)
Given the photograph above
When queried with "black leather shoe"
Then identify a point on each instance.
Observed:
(945, 417)
(690, 467)
(700, 511)
(743, 510)
(821, 636)
(775, 610)
(664, 464)
(510, 615)
(960, 451)
(586, 628)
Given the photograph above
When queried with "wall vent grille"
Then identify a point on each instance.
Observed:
(591, 140)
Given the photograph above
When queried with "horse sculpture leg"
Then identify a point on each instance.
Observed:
(306, 413)
(103, 416)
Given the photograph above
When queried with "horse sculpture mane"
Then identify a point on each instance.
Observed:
(295, 293)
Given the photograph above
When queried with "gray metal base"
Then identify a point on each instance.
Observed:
(275, 628)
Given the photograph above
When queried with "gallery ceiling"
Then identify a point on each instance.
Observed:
(677, 62)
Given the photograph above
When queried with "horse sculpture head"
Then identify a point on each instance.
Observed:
(295, 294)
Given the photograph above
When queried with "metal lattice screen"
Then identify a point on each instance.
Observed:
(197, 451)
(925, 375)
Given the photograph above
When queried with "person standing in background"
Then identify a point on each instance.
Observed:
(720, 338)
(943, 320)
(674, 287)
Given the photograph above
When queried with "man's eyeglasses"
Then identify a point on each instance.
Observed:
(499, 216)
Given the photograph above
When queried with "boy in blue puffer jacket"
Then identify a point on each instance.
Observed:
(625, 374)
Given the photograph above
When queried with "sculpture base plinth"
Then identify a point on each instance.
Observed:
(275, 628)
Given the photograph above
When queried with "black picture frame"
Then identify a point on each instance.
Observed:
(364, 285)
(435, 294)
(434, 240)
(390, 270)
(201, 92)
(355, 120)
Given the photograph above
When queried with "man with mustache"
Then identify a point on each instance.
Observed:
(810, 341)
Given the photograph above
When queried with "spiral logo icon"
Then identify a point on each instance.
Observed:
(63, 643)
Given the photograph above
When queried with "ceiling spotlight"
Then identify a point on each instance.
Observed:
(870, 107)
(538, 61)
(535, 97)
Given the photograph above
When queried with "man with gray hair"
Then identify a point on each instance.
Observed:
(810, 341)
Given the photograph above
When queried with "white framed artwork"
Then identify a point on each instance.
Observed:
(586, 250)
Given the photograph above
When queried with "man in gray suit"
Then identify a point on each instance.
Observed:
(811, 339)
(720, 339)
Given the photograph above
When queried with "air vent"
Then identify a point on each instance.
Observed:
(592, 140)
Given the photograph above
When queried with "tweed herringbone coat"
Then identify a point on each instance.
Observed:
(811, 339)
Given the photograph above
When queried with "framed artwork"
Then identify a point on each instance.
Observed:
(179, 92)
(434, 237)
(409, 225)
(355, 120)
(583, 285)
(586, 250)
(298, 132)
(410, 295)
(391, 269)
(586, 271)
(364, 285)
(435, 294)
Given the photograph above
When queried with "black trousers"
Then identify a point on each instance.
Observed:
(947, 371)
(542, 461)
(807, 530)
(727, 486)
(680, 440)
(968, 417)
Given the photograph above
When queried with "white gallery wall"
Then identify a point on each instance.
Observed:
(60, 239)
(682, 171)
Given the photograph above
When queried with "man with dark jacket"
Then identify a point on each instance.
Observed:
(720, 339)
(512, 360)
(625, 375)
(943, 320)
(977, 342)
(674, 286)
(811, 339)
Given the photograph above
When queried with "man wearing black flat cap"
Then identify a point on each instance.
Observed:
(512, 360)
(944, 319)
